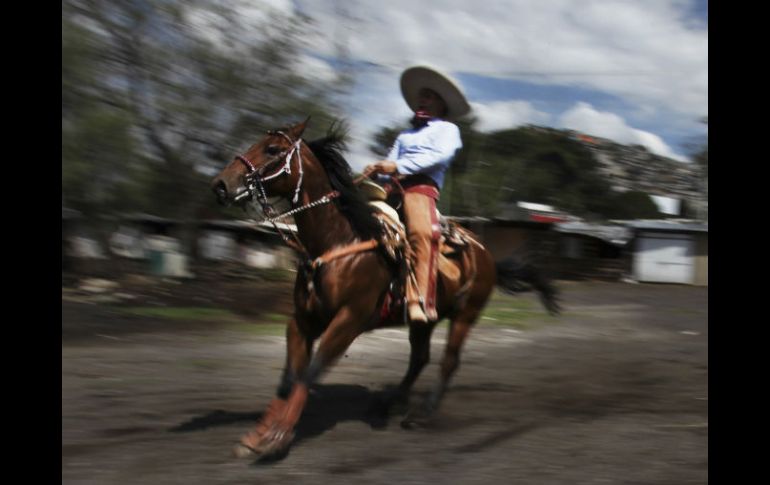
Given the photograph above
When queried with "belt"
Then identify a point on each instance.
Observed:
(418, 179)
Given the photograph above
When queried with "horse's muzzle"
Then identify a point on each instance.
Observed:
(220, 190)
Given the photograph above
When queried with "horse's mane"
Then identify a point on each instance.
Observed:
(352, 203)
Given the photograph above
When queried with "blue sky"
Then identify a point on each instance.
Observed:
(634, 71)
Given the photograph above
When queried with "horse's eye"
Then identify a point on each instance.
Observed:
(273, 150)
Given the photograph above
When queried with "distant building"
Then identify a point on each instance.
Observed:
(153, 244)
(671, 251)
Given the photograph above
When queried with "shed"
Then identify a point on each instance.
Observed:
(670, 251)
(592, 250)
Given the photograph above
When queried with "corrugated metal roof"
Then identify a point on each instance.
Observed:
(620, 233)
(613, 234)
(686, 225)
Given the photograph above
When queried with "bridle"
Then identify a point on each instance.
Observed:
(256, 178)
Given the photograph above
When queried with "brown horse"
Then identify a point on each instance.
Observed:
(345, 275)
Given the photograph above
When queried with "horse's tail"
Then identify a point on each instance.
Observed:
(519, 275)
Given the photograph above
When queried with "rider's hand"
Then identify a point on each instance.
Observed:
(388, 167)
(370, 170)
(384, 166)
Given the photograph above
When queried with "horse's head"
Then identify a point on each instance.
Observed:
(269, 168)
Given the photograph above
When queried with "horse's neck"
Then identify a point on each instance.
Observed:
(322, 227)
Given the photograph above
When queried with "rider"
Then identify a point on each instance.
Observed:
(419, 158)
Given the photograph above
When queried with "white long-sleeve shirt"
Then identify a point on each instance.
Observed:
(428, 150)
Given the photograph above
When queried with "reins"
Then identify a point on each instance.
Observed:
(255, 186)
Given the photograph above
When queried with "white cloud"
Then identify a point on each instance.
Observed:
(501, 115)
(317, 69)
(584, 118)
(645, 52)
(650, 55)
(375, 102)
(250, 16)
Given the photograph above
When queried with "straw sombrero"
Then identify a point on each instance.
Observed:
(418, 77)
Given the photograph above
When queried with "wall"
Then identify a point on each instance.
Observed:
(701, 259)
(562, 256)
(584, 257)
(665, 256)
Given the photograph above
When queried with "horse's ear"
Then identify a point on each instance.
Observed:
(296, 131)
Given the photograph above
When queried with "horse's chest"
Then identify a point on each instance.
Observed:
(317, 305)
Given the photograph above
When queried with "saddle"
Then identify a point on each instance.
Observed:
(451, 255)
(453, 237)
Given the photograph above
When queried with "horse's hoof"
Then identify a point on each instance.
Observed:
(275, 443)
(418, 418)
(268, 443)
(242, 451)
(413, 423)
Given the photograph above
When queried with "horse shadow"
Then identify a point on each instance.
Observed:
(327, 406)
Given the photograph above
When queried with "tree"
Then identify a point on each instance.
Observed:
(384, 139)
(533, 164)
(633, 205)
(155, 100)
(699, 152)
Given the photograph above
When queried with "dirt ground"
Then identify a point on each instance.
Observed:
(614, 391)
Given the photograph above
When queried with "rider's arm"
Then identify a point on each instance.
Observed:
(394, 151)
(392, 157)
(438, 148)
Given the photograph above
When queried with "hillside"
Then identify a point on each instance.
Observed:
(574, 172)
(633, 167)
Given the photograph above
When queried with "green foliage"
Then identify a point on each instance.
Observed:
(153, 103)
(533, 164)
(97, 154)
(633, 205)
(536, 165)
(521, 312)
(699, 149)
(551, 168)
(384, 139)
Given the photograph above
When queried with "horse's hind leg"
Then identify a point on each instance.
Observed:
(419, 341)
(459, 328)
(458, 331)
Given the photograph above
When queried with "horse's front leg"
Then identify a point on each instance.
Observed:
(276, 437)
(298, 350)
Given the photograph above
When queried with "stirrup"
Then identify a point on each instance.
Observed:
(416, 313)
